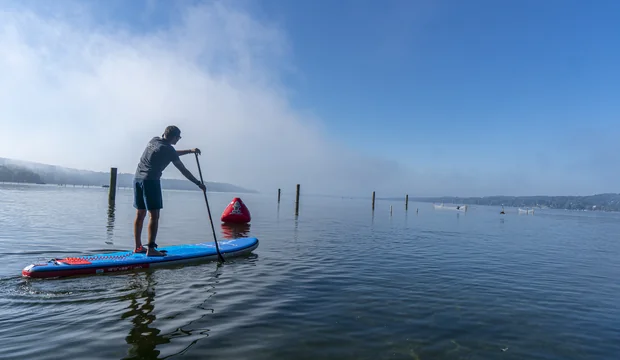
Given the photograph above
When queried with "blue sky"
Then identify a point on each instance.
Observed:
(441, 97)
(404, 75)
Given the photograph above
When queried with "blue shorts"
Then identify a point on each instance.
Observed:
(147, 195)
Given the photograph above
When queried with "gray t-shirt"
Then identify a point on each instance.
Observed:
(156, 157)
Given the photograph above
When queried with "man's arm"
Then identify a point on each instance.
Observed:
(185, 152)
(179, 165)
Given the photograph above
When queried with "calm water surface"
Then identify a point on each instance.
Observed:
(339, 282)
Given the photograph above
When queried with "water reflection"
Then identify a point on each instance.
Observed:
(110, 224)
(296, 231)
(143, 338)
(235, 231)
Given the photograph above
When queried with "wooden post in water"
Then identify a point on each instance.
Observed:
(112, 192)
(297, 201)
(390, 210)
(373, 200)
(406, 202)
(278, 195)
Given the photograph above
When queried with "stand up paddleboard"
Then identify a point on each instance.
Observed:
(128, 260)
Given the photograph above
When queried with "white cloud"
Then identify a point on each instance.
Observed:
(90, 97)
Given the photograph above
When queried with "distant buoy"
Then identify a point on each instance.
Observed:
(236, 212)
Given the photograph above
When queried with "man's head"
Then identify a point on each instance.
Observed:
(172, 134)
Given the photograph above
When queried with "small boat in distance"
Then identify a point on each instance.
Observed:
(526, 211)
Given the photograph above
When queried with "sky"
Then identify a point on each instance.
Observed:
(426, 98)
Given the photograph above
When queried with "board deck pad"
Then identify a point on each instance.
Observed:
(128, 260)
(74, 261)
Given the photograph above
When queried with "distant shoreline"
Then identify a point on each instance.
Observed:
(18, 171)
(597, 202)
(105, 188)
(600, 202)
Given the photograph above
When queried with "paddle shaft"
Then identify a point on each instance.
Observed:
(209, 211)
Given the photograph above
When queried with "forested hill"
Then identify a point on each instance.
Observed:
(10, 173)
(602, 202)
(28, 172)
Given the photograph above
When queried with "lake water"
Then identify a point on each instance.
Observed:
(338, 282)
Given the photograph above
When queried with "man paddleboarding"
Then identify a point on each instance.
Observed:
(159, 153)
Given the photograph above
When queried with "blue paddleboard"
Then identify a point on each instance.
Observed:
(128, 260)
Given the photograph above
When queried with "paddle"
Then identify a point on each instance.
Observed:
(209, 210)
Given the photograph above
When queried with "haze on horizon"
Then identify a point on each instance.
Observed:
(345, 100)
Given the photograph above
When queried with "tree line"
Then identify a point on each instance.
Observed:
(19, 174)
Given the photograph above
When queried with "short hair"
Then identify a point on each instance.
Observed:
(172, 131)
